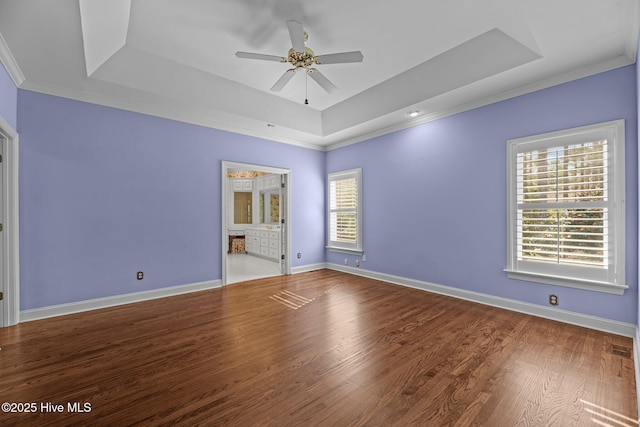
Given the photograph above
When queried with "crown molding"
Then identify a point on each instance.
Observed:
(160, 110)
(618, 62)
(631, 46)
(163, 111)
(10, 64)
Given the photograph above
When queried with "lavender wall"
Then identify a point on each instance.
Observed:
(105, 193)
(8, 98)
(434, 195)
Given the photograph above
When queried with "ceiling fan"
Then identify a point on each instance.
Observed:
(302, 57)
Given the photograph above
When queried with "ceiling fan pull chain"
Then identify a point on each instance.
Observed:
(306, 86)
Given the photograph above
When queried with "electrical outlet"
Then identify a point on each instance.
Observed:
(364, 257)
(357, 263)
(140, 275)
(346, 261)
(553, 299)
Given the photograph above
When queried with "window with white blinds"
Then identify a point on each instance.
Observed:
(566, 208)
(345, 210)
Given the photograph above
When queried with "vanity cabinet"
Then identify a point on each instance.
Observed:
(264, 243)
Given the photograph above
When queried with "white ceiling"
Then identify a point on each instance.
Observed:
(176, 58)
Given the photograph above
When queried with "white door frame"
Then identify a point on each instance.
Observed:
(10, 280)
(226, 165)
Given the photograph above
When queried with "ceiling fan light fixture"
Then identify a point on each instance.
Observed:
(301, 57)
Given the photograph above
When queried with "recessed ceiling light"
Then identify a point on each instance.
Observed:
(413, 113)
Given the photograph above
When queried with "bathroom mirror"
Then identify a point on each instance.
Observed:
(269, 207)
(242, 208)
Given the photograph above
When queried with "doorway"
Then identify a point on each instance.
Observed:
(256, 217)
(9, 232)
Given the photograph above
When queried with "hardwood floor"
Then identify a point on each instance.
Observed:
(318, 348)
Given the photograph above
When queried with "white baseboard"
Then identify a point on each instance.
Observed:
(587, 321)
(636, 364)
(310, 267)
(112, 301)
(592, 322)
(94, 304)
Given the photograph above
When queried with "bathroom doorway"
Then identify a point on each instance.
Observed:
(256, 212)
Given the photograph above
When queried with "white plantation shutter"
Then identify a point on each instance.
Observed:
(344, 194)
(563, 204)
(566, 214)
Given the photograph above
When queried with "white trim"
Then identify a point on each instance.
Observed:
(10, 206)
(9, 62)
(618, 62)
(116, 300)
(353, 248)
(161, 109)
(154, 109)
(112, 301)
(584, 320)
(636, 363)
(611, 280)
(589, 285)
(631, 44)
(345, 250)
(572, 318)
(309, 267)
(223, 217)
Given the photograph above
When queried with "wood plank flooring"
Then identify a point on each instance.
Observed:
(318, 348)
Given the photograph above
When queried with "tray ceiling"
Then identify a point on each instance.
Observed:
(176, 59)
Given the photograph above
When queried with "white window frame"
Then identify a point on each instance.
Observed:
(332, 245)
(614, 280)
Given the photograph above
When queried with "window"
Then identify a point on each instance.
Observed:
(345, 211)
(565, 208)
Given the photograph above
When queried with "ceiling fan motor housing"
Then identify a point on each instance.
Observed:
(301, 59)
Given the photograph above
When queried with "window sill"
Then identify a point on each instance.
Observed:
(345, 250)
(590, 285)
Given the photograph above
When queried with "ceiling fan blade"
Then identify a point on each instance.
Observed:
(338, 58)
(248, 55)
(283, 80)
(322, 80)
(296, 33)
